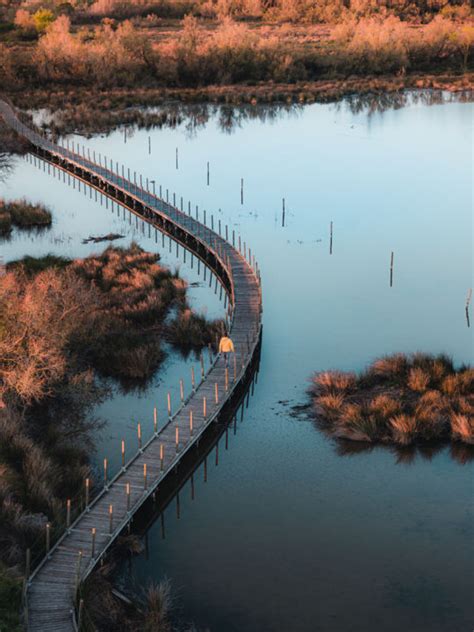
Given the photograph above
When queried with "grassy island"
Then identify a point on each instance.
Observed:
(23, 215)
(400, 399)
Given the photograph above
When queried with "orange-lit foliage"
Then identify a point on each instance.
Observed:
(399, 399)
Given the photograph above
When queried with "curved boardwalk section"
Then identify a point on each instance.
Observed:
(51, 588)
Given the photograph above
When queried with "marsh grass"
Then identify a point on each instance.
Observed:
(32, 266)
(139, 296)
(401, 399)
(23, 215)
(147, 609)
(10, 600)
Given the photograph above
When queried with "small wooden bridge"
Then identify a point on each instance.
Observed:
(51, 588)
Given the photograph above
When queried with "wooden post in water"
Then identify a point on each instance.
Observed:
(123, 454)
(177, 159)
(242, 191)
(283, 214)
(139, 435)
(391, 269)
(155, 420)
(330, 238)
(193, 381)
(181, 390)
(208, 175)
(105, 473)
(201, 357)
(169, 406)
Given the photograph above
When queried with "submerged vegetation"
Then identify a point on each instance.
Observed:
(399, 399)
(23, 215)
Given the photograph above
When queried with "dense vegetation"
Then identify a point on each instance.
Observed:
(399, 399)
(59, 321)
(23, 215)
(95, 44)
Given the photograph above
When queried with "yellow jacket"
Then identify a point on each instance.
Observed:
(226, 345)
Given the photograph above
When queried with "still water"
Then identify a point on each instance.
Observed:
(290, 532)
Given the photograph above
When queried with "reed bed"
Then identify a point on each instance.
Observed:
(23, 215)
(400, 399)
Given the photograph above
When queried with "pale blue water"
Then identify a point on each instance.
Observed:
(288, 535)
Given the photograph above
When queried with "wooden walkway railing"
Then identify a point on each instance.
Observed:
(52, 586)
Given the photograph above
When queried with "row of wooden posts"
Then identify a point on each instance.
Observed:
(242, 246)
(178, 439)
(236, 241)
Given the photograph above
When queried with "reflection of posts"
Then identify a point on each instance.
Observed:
(226, 346)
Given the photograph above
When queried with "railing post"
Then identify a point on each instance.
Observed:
(204, 408)
(169, 406)
(139, 435)
(145, 479)
(105, 473)
(127, 492)
(155, 420)
(123, 454)
(68, 514)
(78, 568)
(93, 533)
(79, 614)
(87, 493)
(177, 438)
(191, 422)
(27, 564)
(162, 455)
(111, 518)
(48, 537)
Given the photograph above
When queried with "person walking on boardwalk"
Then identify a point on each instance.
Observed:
(226, 346)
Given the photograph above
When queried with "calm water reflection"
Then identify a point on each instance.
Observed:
(288, 533)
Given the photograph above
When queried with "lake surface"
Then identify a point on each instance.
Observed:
(291, 533)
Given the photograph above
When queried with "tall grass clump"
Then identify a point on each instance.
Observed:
(144, 303)
(400, 399)
(23, 214)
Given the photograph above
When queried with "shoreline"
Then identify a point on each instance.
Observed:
(72, 109)
(323, 90)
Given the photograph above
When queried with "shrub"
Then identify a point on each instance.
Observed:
(42, 19)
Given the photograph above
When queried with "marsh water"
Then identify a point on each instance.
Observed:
(292, 531)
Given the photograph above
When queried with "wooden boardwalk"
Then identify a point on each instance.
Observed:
(51, 588)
